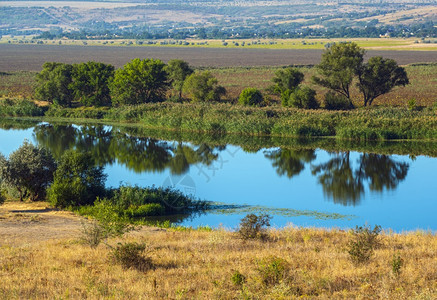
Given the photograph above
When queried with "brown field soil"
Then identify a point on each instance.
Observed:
(31, 57)
(41, 257)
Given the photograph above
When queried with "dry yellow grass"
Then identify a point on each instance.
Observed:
(199, 265)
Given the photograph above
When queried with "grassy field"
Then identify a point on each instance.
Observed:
(207, 264)
(366, 43)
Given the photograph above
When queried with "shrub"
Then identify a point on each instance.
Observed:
(335, 101)
(272, 270)
(238, 279)
(131, 256)
(251, 97)
(411, 104)
(303, 98)
(364, 241)
(20, 108)
(203, 87)
(396, 264)
(29, 170)
(77, 181)
(253, 226)
(146, 210)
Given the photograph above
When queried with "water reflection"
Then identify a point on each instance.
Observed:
(137, 154)
(344, 180)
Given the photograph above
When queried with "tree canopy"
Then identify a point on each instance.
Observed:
(54, 83)
(140, 81)
(29, 170)
(178, 70)
(338, 67)
(91, 83)
(379, 76)
(203, 87)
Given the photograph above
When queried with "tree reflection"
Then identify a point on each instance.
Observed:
(108, 146)
(290, 162)
(345, 184)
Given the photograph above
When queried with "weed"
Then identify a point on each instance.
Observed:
(238, 279)
(92, 233)
(364, 241)
(253, 226)
(411, 104)
(131, 256)
(396, 264)
(272, 270)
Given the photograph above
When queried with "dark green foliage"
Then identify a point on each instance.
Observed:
(178, 70)
(77, 181)
(91, 83)
(287, 79)
(396, 264)
(251, 97)
(140, 81)
(379, 76)
(203, 87)
(272, 270)
(238, 279)
(304, 97)
(364, 241)
(54, 83)
(335, 101)
(132, 256)
(139, 202)
(338, 66)
(254, 227)
(29, 170)
(20, 108)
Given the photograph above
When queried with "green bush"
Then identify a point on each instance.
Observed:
(146, 210)
(254, 227)
(20, 108)
(251, 97)
(131, 256)
(272, 270)
(363, 242)
(333, 101)
(77, 181)
(396, 264)
(303, 98)
(238, 279)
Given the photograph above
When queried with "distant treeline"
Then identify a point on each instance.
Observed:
(428, 29)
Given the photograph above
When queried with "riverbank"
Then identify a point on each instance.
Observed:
(292, 262)
(376, 123)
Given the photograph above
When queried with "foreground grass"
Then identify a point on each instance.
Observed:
(193, 264)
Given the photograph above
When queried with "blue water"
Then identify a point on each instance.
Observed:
(407, 201)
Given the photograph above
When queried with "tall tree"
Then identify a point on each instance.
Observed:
(53, 83)
(178, 70)
(91, 83)
(140, 81)
(379, 76)
(338, 67)
(203, 87)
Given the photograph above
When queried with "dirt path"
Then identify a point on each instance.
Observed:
(27, 223)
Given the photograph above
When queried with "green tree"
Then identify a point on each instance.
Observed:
(77, 181)
(379, 76)
(29, 170)
(338, 67)
(203, 87)
(91, 83)
(140, 81)
(53, 83)
(304, 97)
(178, 70)
(251, 96)
(287, 79)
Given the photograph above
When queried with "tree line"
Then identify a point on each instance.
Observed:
(150, 80)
